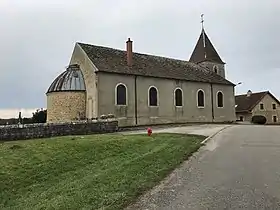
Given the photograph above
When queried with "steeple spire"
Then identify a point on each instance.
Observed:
(203, 34)
(204, 49)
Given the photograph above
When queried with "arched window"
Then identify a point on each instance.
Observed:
(121, 94)
(178, 97)
(215, 69)
(220, 99)
(153, 96)
(200, 98)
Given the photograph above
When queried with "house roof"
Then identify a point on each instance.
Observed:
(205, 51)
(115, 61)
(246, 103)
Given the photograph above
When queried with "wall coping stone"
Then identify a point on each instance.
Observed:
(46, 130)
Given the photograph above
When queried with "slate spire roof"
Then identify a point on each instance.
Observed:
(112, 60)
(205, 51)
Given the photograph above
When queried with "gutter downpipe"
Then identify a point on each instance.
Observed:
(212, 102)
(135, 100)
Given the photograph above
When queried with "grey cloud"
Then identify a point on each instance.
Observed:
(37, 38)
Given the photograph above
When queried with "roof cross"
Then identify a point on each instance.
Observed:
(202, 21)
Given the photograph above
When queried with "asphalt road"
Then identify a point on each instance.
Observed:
(238, 169)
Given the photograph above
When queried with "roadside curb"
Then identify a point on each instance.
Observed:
(214, 134)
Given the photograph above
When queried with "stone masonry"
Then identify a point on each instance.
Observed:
(10, 133)
(66, 106)
(88, 69)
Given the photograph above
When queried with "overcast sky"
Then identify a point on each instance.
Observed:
(38, 37)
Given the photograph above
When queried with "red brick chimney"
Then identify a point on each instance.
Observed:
(129, 52)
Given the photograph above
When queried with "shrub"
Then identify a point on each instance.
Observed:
(259, 119)
(103, 117)
(40, 116)
(110, 116)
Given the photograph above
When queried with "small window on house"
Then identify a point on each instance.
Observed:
(261, 107)
(153, 96)
(220, 99)
(273, 106)
(275, 119)
(200, 98)
(178, 97)
(121, 94)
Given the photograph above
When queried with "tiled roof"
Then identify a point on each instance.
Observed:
(247, 103)
(205, 51)
(115, 61)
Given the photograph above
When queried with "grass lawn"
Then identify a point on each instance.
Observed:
(91, 172)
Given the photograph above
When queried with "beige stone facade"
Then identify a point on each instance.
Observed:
(100, 96)
(166, 111)
(66, 106)
(265, 107)
(244, 117)
(88, 69)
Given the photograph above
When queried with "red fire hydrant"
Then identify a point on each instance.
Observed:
(149, 131)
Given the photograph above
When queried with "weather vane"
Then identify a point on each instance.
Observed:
(202, 21)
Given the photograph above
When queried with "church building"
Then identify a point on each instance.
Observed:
(141, 89)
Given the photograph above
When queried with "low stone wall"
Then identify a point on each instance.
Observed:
(21, 132)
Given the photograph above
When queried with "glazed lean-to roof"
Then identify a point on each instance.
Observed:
(70, 80)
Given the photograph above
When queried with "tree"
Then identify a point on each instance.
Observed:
(27, 120)
(40, 116)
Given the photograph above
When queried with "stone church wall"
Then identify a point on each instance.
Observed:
(66, 106)
(79, 57)
(17, 132)
(166, 112)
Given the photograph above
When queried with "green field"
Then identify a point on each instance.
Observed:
(91, 172)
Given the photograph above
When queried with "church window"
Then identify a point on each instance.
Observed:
(220, 99)
(178, 97)
(153, 96)
(200, 98)
(215, 69)
(121, 94)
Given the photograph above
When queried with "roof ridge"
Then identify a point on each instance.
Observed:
(199, 67)
(140, 53)
(244, 94)
(113, 60)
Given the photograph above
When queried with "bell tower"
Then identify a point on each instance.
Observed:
(206, 55)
